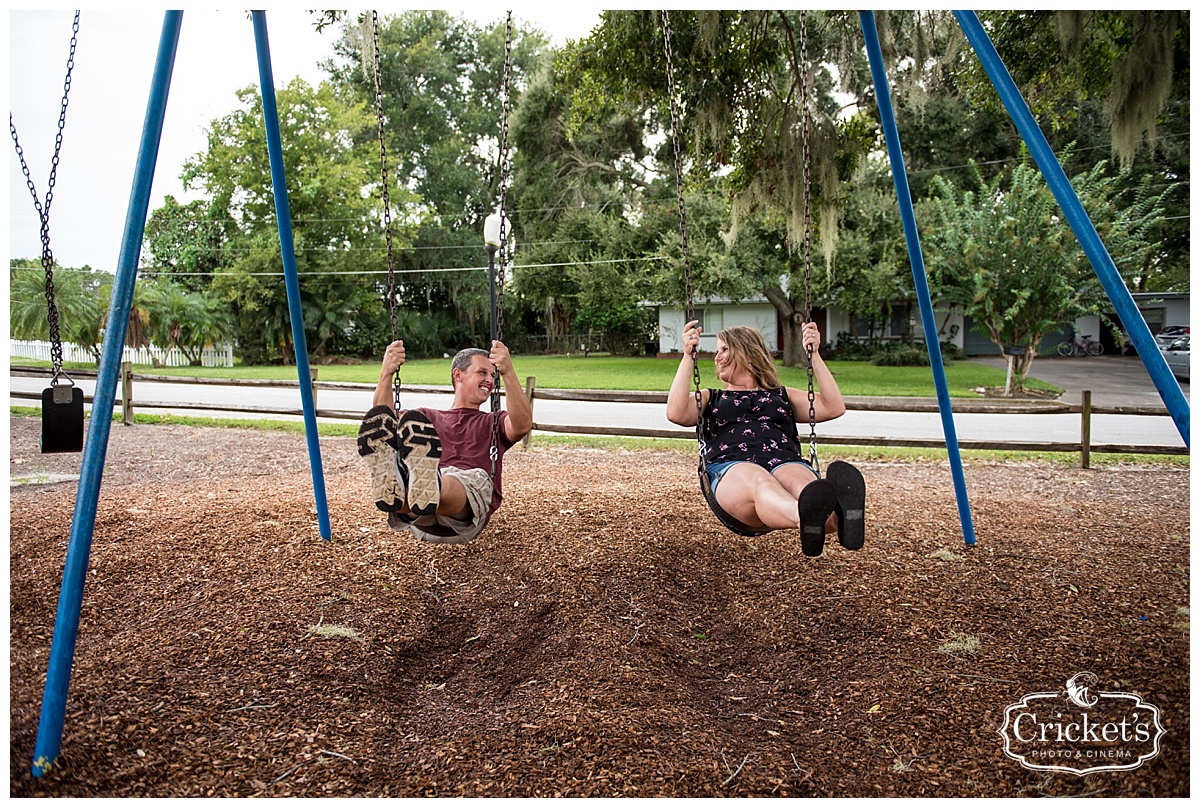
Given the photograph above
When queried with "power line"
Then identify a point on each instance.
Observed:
(360, 272)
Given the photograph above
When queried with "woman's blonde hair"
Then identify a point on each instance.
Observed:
(748, 349)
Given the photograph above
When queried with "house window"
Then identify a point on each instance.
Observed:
(866, 325)
(711, 319)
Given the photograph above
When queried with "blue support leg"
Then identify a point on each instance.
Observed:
(83, 523)
(1168, 388)
(288, 249)
(929, 324)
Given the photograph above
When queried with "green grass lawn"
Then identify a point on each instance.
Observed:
(628, 373)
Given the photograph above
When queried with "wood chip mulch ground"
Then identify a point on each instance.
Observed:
(604, 637)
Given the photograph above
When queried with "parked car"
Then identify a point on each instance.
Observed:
(1179, 357)
(1171, 333)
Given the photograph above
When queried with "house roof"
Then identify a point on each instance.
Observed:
(1151, 296)
(710, 301)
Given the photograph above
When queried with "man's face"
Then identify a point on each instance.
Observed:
(475, 381)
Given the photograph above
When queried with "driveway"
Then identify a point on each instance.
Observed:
(1115, 381)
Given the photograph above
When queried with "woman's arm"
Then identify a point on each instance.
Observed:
(828, 403)
(681, 400)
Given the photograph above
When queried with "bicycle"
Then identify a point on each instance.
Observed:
(1080, 346)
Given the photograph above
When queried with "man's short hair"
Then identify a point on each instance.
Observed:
(462, 360)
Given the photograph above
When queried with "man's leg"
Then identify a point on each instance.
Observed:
(452, 524)
(419, 449)
(377, 445)
(454, 502)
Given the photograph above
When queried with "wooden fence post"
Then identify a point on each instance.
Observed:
(312, 372)
(530, 384)
(127, 393)
(1085, 430)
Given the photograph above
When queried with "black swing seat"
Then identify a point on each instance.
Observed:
(62, 419)
(735, 525)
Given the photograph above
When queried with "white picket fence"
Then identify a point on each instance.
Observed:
(220, 356)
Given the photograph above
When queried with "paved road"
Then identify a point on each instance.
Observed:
(1113, 380)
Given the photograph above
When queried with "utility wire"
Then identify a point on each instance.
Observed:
(359, 272)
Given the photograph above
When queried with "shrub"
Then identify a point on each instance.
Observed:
(852, 349)
(902, 356)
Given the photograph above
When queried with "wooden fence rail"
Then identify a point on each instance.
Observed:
(1084, 447)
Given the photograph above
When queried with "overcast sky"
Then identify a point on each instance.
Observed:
(110, 86)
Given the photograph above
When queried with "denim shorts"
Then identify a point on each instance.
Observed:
(716, 471)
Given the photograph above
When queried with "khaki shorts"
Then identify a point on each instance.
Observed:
(447, 530)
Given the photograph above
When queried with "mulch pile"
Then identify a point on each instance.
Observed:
(604, 637)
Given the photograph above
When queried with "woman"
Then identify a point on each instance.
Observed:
(753, 455)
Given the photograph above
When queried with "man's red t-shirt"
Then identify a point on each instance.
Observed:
(466, 436)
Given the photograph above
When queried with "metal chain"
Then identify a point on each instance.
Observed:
(506, 82)
(387, 204)
(690, 313)
(806, 90)
(43, 210)
(507, 90)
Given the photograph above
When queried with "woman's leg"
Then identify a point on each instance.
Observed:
(750, 494)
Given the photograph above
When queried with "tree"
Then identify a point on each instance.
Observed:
(1109, 82)
(1004, 250)
(1127, 58)
(442, 79)
(871, 270)
(179, 318)
(187, 241)
(332, 172)
(742, 77)
(579, 190)
(80, 295)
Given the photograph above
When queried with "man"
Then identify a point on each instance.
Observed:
(431, 470)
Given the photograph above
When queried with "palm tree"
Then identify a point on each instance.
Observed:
(78, 296)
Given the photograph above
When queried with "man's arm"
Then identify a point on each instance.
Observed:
(393, 358)
(519, 422)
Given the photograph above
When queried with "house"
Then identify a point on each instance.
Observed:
(1158, 309)
(714, 315)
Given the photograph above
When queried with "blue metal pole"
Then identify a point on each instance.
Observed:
(1085, 231)
(79, 547)
(287, 248)
(916, 259)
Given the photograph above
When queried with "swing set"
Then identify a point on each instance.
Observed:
(1064, 194)
(62, 401)
(724, 517)
(494, 230)
(57, 437)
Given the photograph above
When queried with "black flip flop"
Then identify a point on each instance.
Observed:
(817, 500)
(851, 490)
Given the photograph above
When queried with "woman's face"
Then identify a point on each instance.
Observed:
(725, 365)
